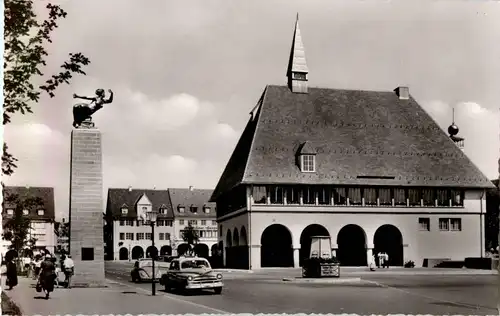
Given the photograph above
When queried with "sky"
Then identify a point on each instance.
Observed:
(187, 73)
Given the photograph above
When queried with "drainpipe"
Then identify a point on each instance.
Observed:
(249, 233)
(481, 224)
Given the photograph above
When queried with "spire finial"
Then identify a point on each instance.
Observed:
(453, 116)
(297, 67)
(297, 16)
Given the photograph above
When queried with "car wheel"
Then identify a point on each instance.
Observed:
(218, 290)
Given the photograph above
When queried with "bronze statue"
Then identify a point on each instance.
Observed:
(83, 111)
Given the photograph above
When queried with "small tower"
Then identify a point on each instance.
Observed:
(453, 131)
(297, 67)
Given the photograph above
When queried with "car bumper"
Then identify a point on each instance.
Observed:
(193, 286)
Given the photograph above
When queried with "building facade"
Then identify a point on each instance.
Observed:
(41, 217)
(131, 235)
(370, 169)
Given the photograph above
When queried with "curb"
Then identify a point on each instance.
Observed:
(16, 308)
(322, 281)
(234, 271)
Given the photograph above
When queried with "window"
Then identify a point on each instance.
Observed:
(124, 210)
(400, 197)
(130, 223)
(354, 195)
(122, 223)
(181, 222)
(443, 197)
(414, 197)
(130, 236)
(41, 212)
(144, 208)
(308, 196)
(424, 224)
(259, 194)
(194, 209)
(339, 196)
(292, 195)
(181, 209)
(167, 236)
(161, 236)
(324, 196)
(148, 236)
(385, 198)
(122, 236)
(457, 197)
(162, 210)
(456, 224)
(275, 194)
(160, 223)
(193, 222)
(308, 163)
(370, 196)
(207, 209)
(168, 223)
(299, 75)
(203, 222)
(140, 236)
(444, 224)
(139, 223)
(428, 197)
(10, 211)
(214, 223)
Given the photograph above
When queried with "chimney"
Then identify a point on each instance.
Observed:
(130, 188)
(191, 188)
(403, 93)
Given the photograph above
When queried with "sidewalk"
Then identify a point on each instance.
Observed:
(116, 299)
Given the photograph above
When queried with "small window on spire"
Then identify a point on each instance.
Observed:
(308, 163)
(299, 76)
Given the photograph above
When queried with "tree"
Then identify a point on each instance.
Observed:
(16, 229)
(190, 237)
(26, 39)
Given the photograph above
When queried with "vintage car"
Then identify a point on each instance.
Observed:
(143, 270)
(191, 273)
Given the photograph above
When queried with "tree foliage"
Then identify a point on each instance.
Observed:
(17, 227)
(26, 39)
(190, 236)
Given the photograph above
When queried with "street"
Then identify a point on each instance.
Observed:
(263, 292)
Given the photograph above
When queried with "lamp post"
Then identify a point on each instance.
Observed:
(151, 217)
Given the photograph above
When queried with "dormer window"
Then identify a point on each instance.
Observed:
(181, 209)
(207, 209)
(308, 163)
(194, 209)
(162, 211)
(26, 212)
(124, 211)
(41, 212)
(10, 211)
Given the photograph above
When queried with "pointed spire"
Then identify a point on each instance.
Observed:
(297, 66)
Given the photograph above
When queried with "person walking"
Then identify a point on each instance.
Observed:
(380, 259)
(11, 273)
(47, 275)
(69, 270)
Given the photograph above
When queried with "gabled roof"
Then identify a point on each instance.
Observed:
(45, 193)
(355, 133)
(118, 198)
(195, 197)
(307, 148)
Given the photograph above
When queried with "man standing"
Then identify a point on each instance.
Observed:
(69, 270)
(386, 260)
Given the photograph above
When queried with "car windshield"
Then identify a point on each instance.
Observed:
(145, 263)
(195, 264)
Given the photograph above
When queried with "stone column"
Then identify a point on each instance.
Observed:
(335, 247)
(369, 254)
(254, 257)
(86, 207)
(296, 257)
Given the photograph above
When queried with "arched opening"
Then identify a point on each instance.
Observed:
(243, 236)
(151, 252)
(137, 252)
(214, 251)
(201, 250)
(276, 247)
(165, 251)
(351, 241)
(229, 239)
(236, 238)
(182, 249)
(123, 253)
(305, 239)
(388, 239)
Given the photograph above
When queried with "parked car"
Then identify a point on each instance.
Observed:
(191, 273)
(143, 270)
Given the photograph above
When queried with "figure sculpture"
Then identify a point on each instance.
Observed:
(83, 111)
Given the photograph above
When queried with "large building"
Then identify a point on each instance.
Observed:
(131, 239)
(371, 169)
(42, 217)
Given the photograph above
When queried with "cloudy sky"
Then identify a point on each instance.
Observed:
(186, 74)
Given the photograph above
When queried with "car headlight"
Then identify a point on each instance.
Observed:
(190, 278)
(219, 276)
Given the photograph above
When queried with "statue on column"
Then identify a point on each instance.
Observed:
(82, 112)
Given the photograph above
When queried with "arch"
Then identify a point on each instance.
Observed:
(276, 247)
(201, 250)
(305, 239)
(236, 238)
(123, 254)
(229, 240)
(243, 236)
(151, 251)
(137, 252)
(351, 241)
(165, 251)
(182, 249)
(214, 250)
(388, 239)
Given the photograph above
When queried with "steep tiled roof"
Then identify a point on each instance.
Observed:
(117, 198)
(355, 133)
(45, 193)
(195, 197)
